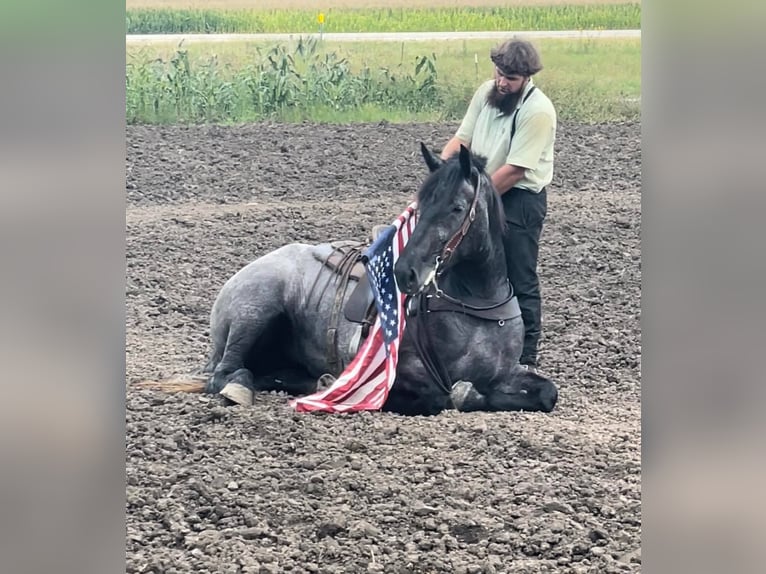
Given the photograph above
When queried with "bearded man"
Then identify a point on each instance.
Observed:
(512, 123)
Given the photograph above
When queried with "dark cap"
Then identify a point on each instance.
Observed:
(516, 57)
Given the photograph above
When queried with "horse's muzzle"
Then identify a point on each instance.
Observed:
(408, 278)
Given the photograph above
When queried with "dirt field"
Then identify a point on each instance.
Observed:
(264, 490)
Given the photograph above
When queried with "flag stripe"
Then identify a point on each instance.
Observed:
(366, 382)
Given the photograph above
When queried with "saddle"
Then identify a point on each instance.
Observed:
(345, 260)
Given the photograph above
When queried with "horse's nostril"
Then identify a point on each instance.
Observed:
(407, 279)
(412, 278)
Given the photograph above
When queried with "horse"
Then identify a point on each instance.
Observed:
(269, 323)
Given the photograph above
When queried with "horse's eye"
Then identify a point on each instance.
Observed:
(458, 209)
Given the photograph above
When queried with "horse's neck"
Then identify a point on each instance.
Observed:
(482, 276)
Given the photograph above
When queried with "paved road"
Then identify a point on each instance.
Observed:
(378, 36)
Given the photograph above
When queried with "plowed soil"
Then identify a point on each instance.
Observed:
(264, 490)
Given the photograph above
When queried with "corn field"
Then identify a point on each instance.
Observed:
(281, 83)
(305, 83)
(528, 18)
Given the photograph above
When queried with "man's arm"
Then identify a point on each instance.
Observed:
(506, 177)
(452, 147)
(525, 151)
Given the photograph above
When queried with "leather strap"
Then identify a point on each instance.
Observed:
(455, 240)
(516, 113)
(425, 304)
(504, 311)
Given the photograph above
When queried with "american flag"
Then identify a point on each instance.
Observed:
(365, 383)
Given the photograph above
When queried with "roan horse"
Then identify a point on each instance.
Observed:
(464, 333)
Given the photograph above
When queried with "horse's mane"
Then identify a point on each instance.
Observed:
(450, 175)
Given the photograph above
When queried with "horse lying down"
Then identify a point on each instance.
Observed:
(271, 318)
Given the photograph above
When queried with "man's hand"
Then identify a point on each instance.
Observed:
(452, 147)
(506, 177)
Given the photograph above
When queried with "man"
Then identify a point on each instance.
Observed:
(513, 124)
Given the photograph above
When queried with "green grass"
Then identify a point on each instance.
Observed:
(557, 17)
(588, 80)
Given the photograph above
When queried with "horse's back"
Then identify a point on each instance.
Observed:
(265, 280)
(281, 277)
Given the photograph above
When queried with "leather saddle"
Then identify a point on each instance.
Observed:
(345, 260)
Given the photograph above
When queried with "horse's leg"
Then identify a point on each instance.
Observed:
(522, 390)
(215, 358)
(405, 401)
(413, 392)
(230, 372)
(240, 385)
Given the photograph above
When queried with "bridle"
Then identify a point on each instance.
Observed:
(454, 241)
(430, 298)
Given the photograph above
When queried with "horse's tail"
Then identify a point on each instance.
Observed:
(176, 384)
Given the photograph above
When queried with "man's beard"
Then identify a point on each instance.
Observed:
(506, 103)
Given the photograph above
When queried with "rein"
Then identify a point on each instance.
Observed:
(424, 347)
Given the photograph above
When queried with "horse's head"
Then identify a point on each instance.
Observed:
(457, 209)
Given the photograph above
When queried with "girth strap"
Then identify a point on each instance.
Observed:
(341, 277)
(332, 332)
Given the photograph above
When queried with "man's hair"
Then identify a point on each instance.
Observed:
(516, 57)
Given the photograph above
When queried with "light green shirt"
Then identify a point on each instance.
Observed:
(488, 133)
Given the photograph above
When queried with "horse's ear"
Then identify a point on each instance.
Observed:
(465, 162)
(433, 162)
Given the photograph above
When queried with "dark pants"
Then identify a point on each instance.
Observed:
(524, 215)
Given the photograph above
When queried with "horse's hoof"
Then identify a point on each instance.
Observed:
(239, 394)
(460, 392)
(325, 382)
